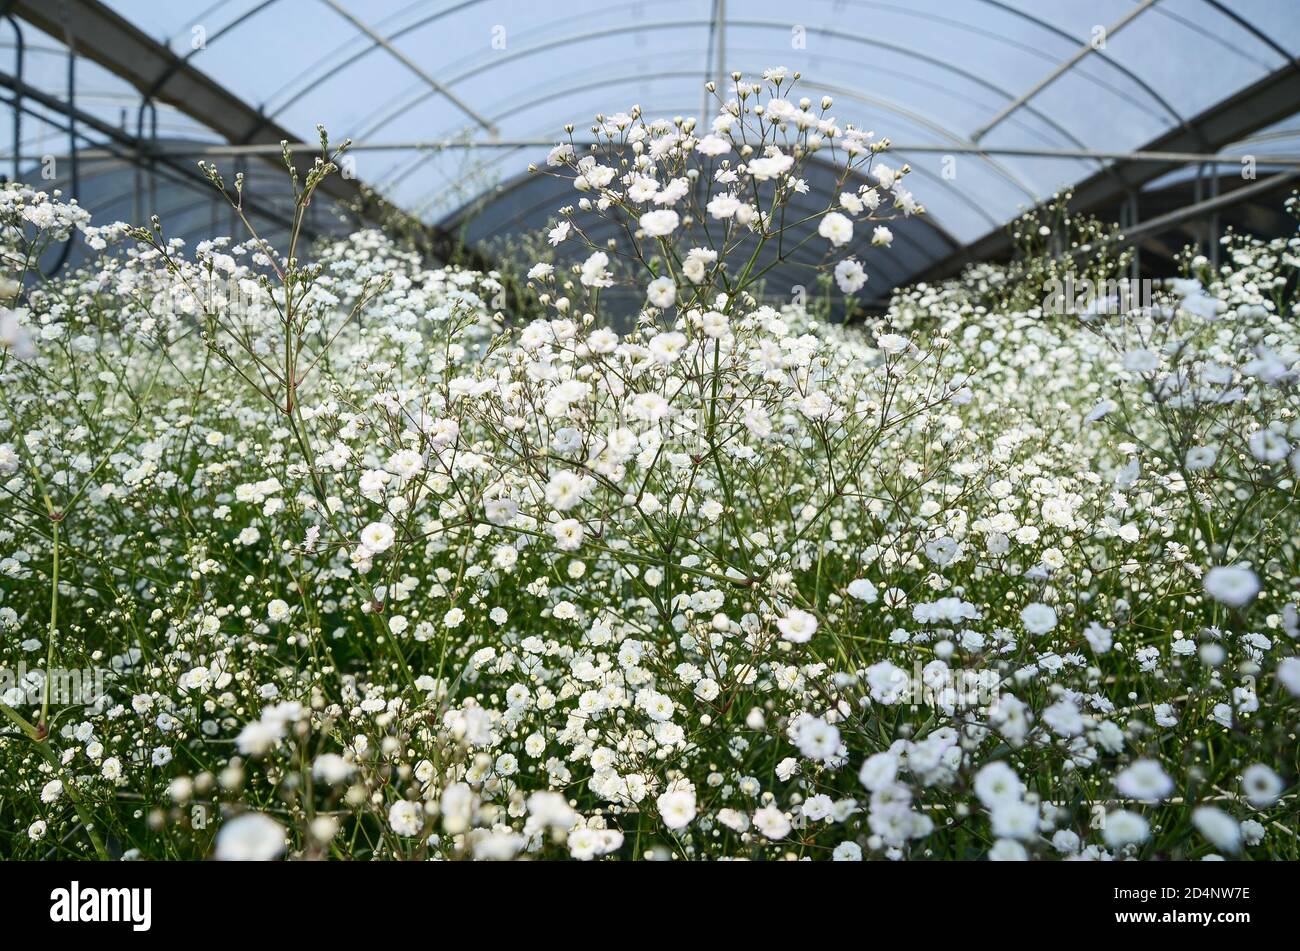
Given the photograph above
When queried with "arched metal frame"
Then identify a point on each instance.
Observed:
(308, 77)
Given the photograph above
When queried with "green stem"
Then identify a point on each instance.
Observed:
(54, 621)
(82, 813)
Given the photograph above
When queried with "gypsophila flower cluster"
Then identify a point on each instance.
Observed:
(371, 568)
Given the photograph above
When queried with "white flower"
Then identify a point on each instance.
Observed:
(332, 769)
(816, 405)
(1123, 827)
(836, 228)
(406, 818)
(1261, 785)
(882, 236)
(770, 166)
(568, 534)
(850, 276)
(1144, 779)
(1008, 850)
(405, 463)
(847, 852)
(1288, 674)
(258, 737)
(797, 626)
(1065, 841)
(1220, 828)
(661, 292)
(878, 771)
(595, 271)
(1099, 638)
(1014, 820)
(1268, 446)
(863, 590)
(1101, 410)
(715, 325)
(1038, 618)
(1063, 718)
(817, 739)
(560, 154)
(1231, 585)
(377, 537)
(566, 490)
(713, 146)
(667, 347)
(500, 511)
(677, 808)
(603, 340)
(723, 206)
(250, 837)
(277, 610)
(772, 822)
(15, 336)
(1141, 361)
(659, 223)
(892, 343)
(997, 784)
(52, 790)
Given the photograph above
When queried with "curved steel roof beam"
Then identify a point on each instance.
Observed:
(1069, 66)
(972, 77)
(393, 115)
(329, 64)
(1065, 66)
(184, 60)
(410, 64)
(147, 104)
(1100, 54)
(1213, 37)
(750, 52)
(1253, 30)
(763, 24)
(996, 3)
(208, 11)
(751, 24)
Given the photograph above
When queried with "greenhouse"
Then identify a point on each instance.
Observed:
(625, 431)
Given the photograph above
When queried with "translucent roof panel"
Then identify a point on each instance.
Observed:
(449, 100)
(99, 95)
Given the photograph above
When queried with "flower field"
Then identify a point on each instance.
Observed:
(351, 555)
